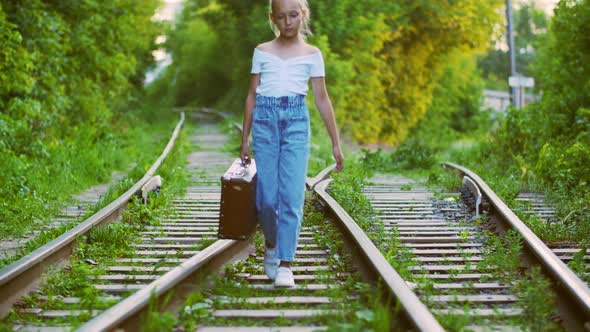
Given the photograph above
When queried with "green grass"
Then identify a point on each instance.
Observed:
(507, 178)
(105, 243)
(501, 255)
(578, 263)
(150, 143)
(39, 187)
(347, 190)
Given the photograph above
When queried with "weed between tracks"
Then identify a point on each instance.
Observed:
(36, 188)
(351, 298)
(415, 160)
(578, 263)
(571, 207)
(100, 248)
(347, 189)
(48, 235)
(501, 258)
(147, 141)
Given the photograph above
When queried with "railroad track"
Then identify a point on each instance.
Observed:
(24, 275)
(536, 204)
(341, 276)
(164, 246)
(329, 288)
(572, 294)
(448, 248)
(244, 296)
(174, 259)
(451, 264)
(77, 207)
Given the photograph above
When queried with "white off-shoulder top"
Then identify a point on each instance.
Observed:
(285, 77)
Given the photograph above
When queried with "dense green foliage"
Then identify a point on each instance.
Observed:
(67, 69)
(455, 111)
(543, 147)
(552, 136)
(65, 65)
(382, 58)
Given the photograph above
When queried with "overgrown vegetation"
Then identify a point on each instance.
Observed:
(101, 246)
(543, 147)
(347, 189)
(70, 75)
(359, 307)
(383, 58)
(551, 138)
(148, 141)
(501, 256)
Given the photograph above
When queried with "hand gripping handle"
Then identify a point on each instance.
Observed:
(246, 162)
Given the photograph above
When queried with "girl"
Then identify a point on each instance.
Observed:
(276, 113)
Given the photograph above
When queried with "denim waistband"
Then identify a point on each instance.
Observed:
(284, 101)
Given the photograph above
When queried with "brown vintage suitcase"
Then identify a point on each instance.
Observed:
(237, 213)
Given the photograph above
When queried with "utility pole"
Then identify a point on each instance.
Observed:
(511, 51)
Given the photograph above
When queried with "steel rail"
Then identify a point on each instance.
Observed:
(569, 285)
(416, 312)
(311, 182)
(21, 276)
(127, 314)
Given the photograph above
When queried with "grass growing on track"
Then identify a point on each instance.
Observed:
(578, 263)
(571, 207)
(416, 160)
(347, 190)
(47, 182)
(535, 297)
(106, 243)
(363, 313)
(501, 258)
(150, 142)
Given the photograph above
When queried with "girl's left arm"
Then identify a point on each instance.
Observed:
(324, 105)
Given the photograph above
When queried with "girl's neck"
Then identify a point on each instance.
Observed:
(286, 41)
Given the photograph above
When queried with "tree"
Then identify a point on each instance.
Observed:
(382, 57)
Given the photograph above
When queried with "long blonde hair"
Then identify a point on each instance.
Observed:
(305, 30)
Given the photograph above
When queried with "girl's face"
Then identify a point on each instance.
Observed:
(288, 16)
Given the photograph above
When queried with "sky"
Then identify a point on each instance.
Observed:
(546, 5)
(169, 10)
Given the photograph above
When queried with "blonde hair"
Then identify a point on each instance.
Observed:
(305, 30)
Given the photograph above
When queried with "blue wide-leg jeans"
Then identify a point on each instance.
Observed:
(280, 139)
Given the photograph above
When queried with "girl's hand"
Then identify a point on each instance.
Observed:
(245, 151)
(339, 158)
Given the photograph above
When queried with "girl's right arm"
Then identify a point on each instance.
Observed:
(248, 110)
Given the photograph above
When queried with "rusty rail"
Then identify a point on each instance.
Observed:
(21, 276)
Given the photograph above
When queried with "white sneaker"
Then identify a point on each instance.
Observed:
(271, 263)
(284, 277)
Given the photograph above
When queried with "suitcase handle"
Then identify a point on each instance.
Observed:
(244, 166)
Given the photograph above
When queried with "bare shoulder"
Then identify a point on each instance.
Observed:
(265, 46)
(310, 49)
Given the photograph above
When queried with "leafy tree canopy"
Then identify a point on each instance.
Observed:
(383, 57)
